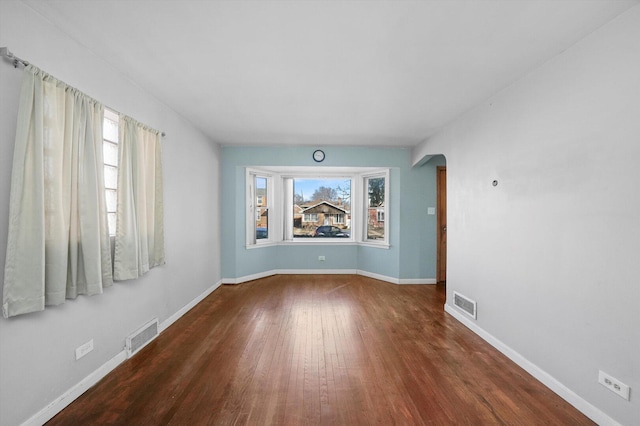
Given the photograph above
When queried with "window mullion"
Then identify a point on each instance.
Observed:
(251, 210)
(287, 206)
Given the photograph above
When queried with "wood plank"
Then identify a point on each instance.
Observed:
(319, 349)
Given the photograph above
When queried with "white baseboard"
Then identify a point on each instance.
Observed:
(388, 279)
(265, 274)
(57, 405)
(173, 318)
(375, 276)
(69, 396)
(393, 280)
(545, 378)
(316, 271)
(246, 278)
(429, 281)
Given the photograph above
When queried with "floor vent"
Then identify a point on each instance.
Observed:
(464, 303)
(139, 338)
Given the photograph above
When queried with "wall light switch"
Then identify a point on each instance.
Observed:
(431, 210)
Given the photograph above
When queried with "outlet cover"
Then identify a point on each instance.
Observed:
(84, 349)
(614, 385)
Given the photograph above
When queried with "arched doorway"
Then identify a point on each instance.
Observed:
(441, 257)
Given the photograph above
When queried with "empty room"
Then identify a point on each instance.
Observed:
(320, 212)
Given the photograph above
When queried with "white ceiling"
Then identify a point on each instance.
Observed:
(387, 73)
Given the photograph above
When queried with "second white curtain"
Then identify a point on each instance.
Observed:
(139, 241)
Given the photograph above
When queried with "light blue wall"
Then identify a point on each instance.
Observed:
(419, 245)
(412, 232)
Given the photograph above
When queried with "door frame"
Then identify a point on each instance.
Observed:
(441, 222)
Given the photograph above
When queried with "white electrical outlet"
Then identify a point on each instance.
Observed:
(613, 384)
(321, 258)
(84, 349)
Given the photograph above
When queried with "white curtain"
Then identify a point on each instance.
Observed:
(58, 242)
(139, 241)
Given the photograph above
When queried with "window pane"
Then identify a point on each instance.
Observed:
(110, 130)
(321, 207)
(375, 206)
(111, 200)
(110, 177)
(110, 159)
(262, 211)
(111, 220)
(110, 153)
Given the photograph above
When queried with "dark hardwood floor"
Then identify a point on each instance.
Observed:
(319, 349)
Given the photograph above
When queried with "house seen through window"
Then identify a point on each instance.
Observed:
(375, 187)
(321, 204)
(262, 209)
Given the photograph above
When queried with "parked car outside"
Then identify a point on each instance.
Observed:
(261, 233)
(328, 231)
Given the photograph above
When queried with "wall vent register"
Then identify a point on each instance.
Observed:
(465, 304)
(141, 337)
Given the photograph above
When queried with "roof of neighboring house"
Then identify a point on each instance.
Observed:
(323, 207)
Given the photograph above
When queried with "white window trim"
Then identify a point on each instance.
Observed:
(380, 174)
(276, 185)
(251, 206)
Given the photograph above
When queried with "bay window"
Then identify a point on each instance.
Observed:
(317, 205)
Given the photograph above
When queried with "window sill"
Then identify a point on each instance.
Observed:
(323, 242)
(260, 245)
(320, 242)
(386, 246)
